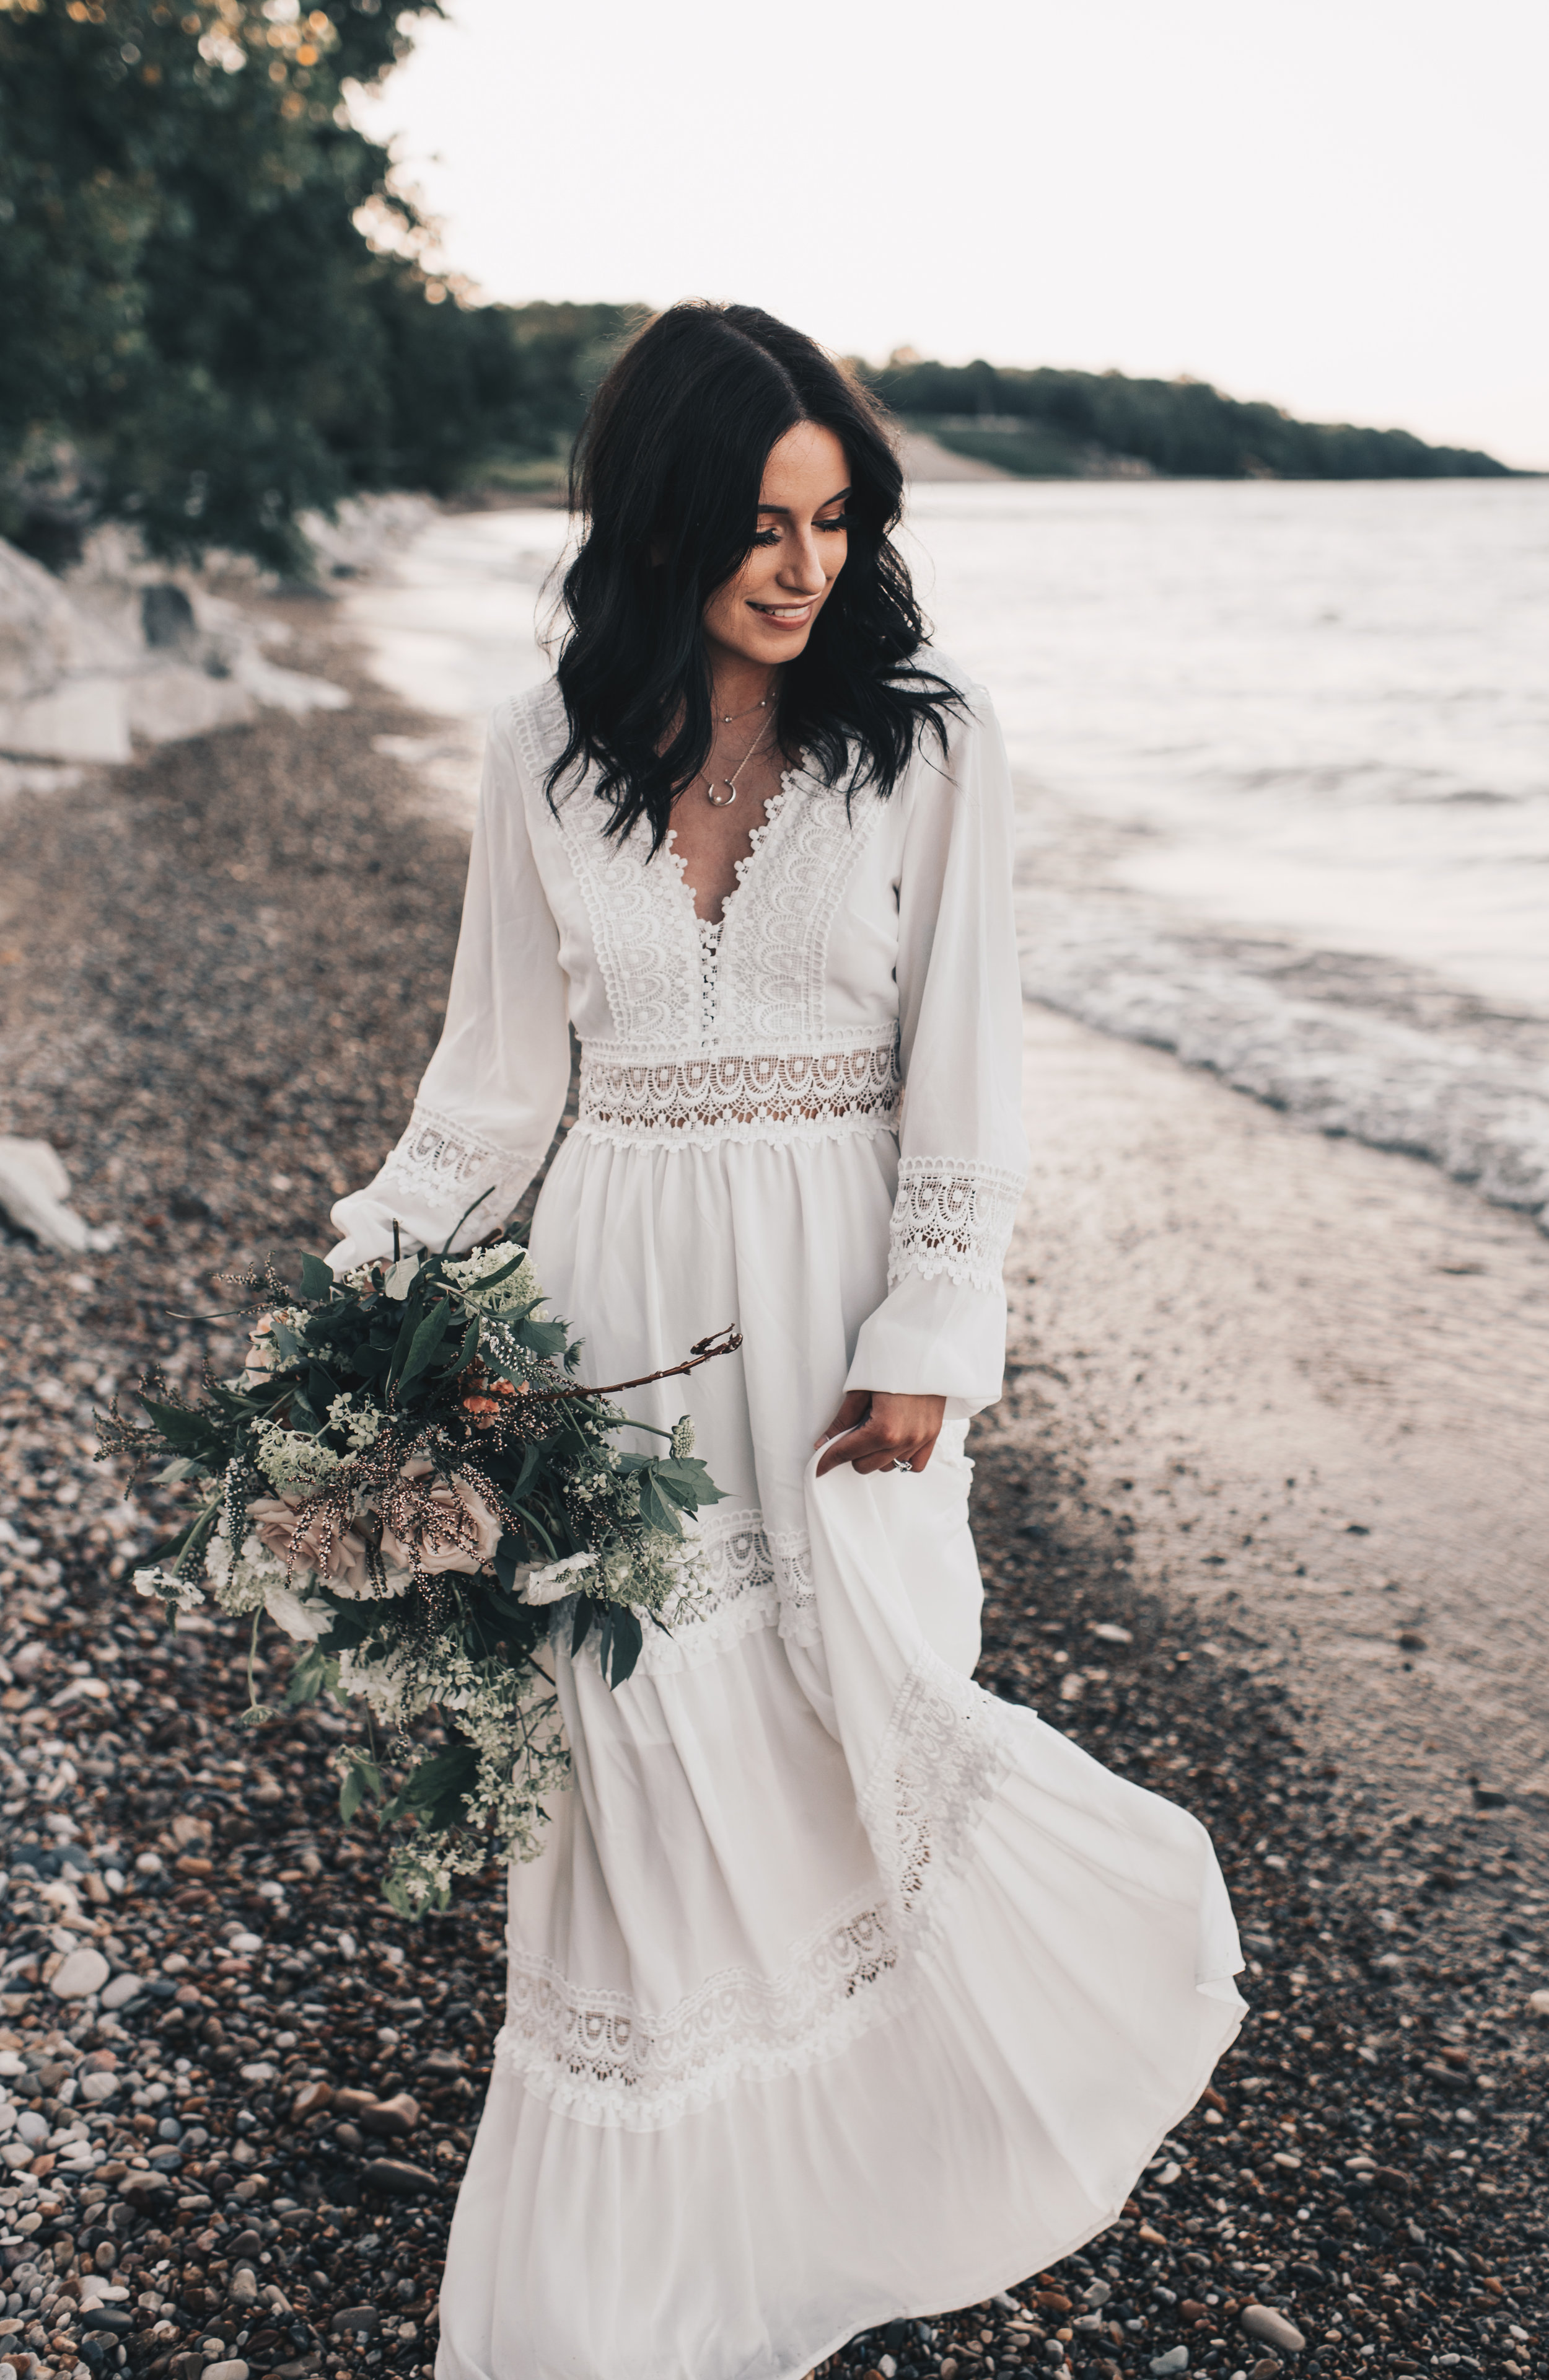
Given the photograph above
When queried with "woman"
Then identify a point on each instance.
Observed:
(841, 1991)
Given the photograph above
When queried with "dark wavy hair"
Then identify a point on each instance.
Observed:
(666, 476)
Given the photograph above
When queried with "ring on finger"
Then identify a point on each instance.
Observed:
(900, 1464)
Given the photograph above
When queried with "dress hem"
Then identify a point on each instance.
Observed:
(807, 2362)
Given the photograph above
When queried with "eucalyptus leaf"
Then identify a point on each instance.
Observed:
(317, 1279)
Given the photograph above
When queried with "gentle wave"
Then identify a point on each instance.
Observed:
(1418, 1073)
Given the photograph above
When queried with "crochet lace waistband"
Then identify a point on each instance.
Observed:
(798, 1095)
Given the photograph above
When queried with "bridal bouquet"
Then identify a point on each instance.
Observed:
(407, 1481)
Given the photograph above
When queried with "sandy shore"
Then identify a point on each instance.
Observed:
(1312, 1376)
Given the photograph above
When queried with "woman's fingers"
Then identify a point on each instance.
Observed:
(855, 1407)
(882, 1432)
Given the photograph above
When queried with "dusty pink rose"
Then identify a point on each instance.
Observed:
(262, 1353)
(342, 1562)
(463, 1534)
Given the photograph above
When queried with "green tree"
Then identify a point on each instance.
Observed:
(197, 334)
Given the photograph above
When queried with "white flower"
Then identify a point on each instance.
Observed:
(360, 1423)
(509, 1296)
(683, 1439)
(302, 1621)
(291, 1462)
(552, 1582)
(180, 1592)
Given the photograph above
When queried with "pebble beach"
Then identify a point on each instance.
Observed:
(236, 2093)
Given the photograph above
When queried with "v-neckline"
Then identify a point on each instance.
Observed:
(710, 931)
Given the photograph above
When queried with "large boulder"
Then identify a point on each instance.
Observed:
(120, 650)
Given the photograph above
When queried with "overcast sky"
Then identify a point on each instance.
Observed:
(1340, 204)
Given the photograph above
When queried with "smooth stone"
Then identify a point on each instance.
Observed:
(310, 2100)
(1538, 2005)
(123, 1988)
(234, 2370)
(364, 2318)
(32, 2127)
(82, 1973)
(1263, 2322)
(245, 1943)
(1175, 2360)
(392, 2117)
(107, 2317)
(96, 2088)
(397, 2178)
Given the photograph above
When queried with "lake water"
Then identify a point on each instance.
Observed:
(1282, 754)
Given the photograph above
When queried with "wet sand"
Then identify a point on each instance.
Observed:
(1310, 1380)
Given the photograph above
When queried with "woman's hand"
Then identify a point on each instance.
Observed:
(878, 1431)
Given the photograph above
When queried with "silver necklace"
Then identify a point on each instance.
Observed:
(724, 801)
(730, 718)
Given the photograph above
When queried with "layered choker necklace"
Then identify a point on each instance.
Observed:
(723, 801)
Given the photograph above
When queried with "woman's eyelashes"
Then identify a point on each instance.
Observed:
(772, 536)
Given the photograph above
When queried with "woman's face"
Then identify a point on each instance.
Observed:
(764, 613)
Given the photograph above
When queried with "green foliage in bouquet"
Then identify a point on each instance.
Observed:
(407, 1481)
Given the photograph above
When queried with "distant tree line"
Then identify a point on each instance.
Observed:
(1048, 423)
(214, 309)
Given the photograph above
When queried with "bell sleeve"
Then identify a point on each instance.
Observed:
(963, 1154)
(493, 1093)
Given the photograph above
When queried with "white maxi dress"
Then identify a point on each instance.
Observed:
(841, 1990)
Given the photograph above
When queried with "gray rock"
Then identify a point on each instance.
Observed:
(356, 2319)
(107, 2317)
(33, 1188)
(166, 616)
(80, 1972)
(124, 1988)
(1274, 2329)
(96, 2089)
(1096, 2293)
(244, 2286)
(234, 2370)
(1175, 2360)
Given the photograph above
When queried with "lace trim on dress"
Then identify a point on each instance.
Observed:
(953, 1215)
(602, 2058)
(747, 1580)
(436, 1162)
(804, 1094)
(774, 945)
(755, 977)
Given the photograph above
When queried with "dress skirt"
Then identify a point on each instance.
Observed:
(841, 1990)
